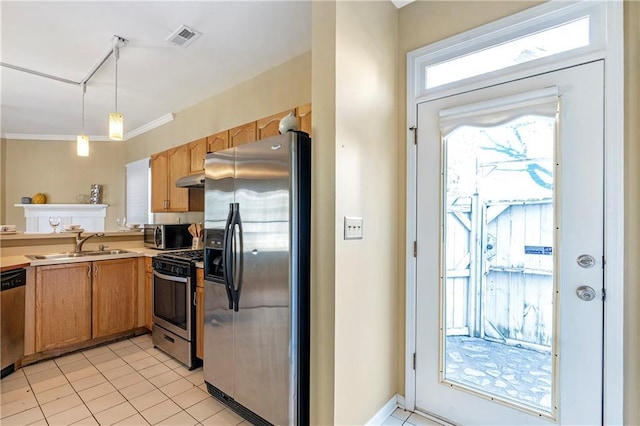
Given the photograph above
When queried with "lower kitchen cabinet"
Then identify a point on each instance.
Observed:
(114, 296)
(148, 294)
(63, 305)
(200, 313)
(77, 302)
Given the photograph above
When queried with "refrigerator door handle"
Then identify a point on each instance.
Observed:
(237, 259)
(227, 256)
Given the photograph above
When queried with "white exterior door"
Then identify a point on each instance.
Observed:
(509, 297)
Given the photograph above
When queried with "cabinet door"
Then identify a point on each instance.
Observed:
(218, 142)
(304, 117)
(200, 313)
(197, 151)
(179, 165)
(159, 196)
(114, 296)
(200, 322)
(269, 126)
(148, 293)
(63, 305)
(148, 299)
(242, 134)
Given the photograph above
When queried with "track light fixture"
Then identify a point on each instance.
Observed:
(82, 141)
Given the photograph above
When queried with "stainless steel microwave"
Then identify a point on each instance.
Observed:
(167, 236)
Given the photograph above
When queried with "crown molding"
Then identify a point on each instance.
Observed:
(69, 138)
(92, 138)
(149, 126)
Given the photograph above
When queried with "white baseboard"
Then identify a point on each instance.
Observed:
(384, 413)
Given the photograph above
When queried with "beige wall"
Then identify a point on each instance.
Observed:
(3, 181)
(283, 87)
(53, 168)
(354, 306)
(422, 23)
(366, 173)
(632, 212)
(323, 181)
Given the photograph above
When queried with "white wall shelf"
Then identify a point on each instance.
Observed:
(90, 217)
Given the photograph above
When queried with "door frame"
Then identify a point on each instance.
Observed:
(613, 54)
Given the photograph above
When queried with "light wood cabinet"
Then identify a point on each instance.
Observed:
(179, 163)
(63, 305)
(269, 126)
(159, 178)
(303, 113)
(197, 152)
(114, 295)
(200, 313)
(218, 142)
(148, 293)
(166, 168)
(242, 134)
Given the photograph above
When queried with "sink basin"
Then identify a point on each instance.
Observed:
(104, 252)
(71, 254)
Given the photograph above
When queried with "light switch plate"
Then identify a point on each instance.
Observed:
(352, 228)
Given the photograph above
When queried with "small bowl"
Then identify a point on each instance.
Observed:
(134, 226)
(71, 227)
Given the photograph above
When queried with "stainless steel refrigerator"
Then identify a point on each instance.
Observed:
(257, 250)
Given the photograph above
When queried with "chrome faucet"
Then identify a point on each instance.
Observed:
(80, 241)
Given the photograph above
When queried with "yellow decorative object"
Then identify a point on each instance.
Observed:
(39, 198)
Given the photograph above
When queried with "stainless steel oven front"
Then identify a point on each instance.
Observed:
(172, 303)
(173, 309)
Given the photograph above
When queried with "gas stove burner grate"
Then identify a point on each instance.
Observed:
(191, 255)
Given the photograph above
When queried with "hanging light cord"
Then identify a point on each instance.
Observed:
(116, 53)
(84, 90)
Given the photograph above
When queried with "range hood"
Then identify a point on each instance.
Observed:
(191, 181)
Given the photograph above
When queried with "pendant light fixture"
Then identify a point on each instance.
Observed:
(116, 120)
(82, 144)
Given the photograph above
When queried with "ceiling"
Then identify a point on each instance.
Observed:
(240, 39)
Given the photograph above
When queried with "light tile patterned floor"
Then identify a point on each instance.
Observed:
(127, 383)
(407, 418)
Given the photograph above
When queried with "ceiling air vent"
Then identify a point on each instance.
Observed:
(184, 36)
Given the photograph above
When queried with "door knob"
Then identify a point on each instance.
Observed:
(586, 293)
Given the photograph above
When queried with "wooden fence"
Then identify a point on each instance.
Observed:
(499, 282)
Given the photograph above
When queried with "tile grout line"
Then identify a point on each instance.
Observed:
(103, 374)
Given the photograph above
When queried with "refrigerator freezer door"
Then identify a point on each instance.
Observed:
(218, 363)
(262, 333)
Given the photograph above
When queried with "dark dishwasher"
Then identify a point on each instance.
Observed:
(12, 318)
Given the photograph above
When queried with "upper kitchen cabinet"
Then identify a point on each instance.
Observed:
(166, 168)
(242, 134)
(218, 142)
(159, 179)
(269, 126)
(197, 152)
(304, 118)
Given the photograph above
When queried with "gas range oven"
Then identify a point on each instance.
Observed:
(174, 298)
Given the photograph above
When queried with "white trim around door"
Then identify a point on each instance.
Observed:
(610, 48)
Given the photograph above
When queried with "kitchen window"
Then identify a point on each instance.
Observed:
(138, 192)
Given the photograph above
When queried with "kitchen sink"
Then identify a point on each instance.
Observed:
(71, 254)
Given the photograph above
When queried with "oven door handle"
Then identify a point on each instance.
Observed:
(170, 277)
(227, 256)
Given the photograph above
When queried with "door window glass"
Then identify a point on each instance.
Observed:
(498, 249)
